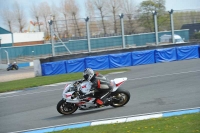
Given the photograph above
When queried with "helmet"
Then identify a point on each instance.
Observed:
(88, 74)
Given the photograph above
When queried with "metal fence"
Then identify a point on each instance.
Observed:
(121, 26)
(110, 32)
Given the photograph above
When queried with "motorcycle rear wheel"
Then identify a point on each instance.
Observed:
(66, 108)
(120, 98)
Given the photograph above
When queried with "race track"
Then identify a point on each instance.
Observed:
(153, 88)
(22, 73)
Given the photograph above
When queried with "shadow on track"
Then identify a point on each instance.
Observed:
(81, 113)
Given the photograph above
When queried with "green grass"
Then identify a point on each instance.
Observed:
(189, 123)
(45, 80)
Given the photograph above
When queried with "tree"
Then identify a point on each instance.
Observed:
(115, 7)
(63, 5)
(185, 17)
(100, 5)
(89, 8)
(19, 16)
(7, 17)
(55, 14)
(130, 11)
(35, 12)
(73, 11)
(45, 12)
(146, 13)
(90, 12)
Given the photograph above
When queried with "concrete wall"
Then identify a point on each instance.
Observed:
(28, 37)
(21, 39)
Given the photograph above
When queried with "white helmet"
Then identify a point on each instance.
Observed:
(88, 74)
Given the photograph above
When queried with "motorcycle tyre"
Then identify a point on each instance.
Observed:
(60, 103)
(16, 67)
(120, 91)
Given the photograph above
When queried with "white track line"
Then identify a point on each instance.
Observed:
(31, 93)
(128, 80)
(165, 75)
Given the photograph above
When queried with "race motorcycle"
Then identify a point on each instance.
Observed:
(71, 100)
(12, 66)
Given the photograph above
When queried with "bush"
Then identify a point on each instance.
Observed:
(197, 35)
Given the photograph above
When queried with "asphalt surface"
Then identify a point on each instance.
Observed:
(154, 88)
(21, 73)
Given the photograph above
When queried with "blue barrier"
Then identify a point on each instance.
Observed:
(75, 65)
(53, 68)
(165, 55)
(143, 57)
(97, 62)
(187, 52)
(25, 64)
(121, 60)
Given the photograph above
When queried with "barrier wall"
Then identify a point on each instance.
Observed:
(80, 45)
(121, 60)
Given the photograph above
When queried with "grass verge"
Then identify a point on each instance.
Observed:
(45, 80)
(189, 123)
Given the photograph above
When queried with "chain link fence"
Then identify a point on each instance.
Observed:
(111, 32)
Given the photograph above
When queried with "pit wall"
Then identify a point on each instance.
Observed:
(118, 60)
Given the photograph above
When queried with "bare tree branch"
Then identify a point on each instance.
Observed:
(129, 8)
(101, 7)
(35, 12)
(73, 10)
(7, 17)
(115, 7)
(19, 16)
(45, 12)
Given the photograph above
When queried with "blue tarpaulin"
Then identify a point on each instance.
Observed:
(187, 52)
(120, 60)
(165, 55)
(143, 57)
(75, 65)
(97, 62)
(53, 68)
(199, 51)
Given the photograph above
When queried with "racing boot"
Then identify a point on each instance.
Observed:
(104, 100)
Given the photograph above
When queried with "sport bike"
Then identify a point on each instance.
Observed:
(12, 66)
(71, 100)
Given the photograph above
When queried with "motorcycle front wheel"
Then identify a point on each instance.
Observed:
(66, 108)
(16, 67)
(120, 98)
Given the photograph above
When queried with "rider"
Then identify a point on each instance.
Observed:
(100, 87)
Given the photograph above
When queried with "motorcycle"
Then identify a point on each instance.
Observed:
(71, 100)
(12, 66)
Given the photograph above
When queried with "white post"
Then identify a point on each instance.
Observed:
(52, 40)
(88, 33)
(156, 26)
(8, 62)
(122, 28)
(172, 25)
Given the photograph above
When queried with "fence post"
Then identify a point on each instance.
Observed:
(7, 55)
(88, 33)
(121, 16)
(156, 26)
(51, 32)
(172, 24)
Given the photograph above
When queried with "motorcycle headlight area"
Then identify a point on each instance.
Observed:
(74, 95)
(70, 88)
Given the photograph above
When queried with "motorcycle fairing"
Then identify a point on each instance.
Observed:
(117, 82)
